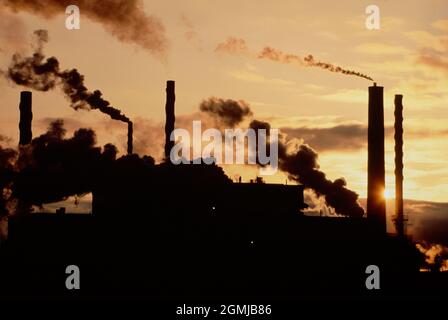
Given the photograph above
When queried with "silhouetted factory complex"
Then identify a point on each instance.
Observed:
(201, 235)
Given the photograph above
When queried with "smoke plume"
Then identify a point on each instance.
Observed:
(436, 256)
(124, 19)
(238, 46)
(43, 74)
(300, 162)
(8, 158)
(228, 112)
(301, 165)
(56, 167)
(190, 34)
(233, 45)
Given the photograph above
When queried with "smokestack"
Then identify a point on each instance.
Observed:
(399, 217)
(376, 204)
(26, 117)
(130, 137)
(170, 117)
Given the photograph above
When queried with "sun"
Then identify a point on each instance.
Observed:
(388, 194)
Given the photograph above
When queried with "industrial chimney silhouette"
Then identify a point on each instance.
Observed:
(26, 118)
(170, 117)
(399, 216)
(130, 137)
(376, 204)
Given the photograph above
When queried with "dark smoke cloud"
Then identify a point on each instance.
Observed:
(55, 167)
(229, 112)
(124, 19)
(43, 74)
(257, 124)
(302, 166)
(8, 158)
(300, 162)
(238, 46)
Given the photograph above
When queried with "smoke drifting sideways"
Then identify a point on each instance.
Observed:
(238, 46)
(124, 19)
(225, 111)
(38, 73)
(298, 160)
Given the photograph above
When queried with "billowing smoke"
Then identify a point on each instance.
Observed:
(436, 256)
(302, 166)
(8, 159)
(43, 74)
(55, 167)
(227, 111)
(238, 46)
(300, 162)
(124, 19)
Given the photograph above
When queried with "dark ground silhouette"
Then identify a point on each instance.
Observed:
(168, 232)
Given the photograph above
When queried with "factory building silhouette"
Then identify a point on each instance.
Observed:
(165, 231)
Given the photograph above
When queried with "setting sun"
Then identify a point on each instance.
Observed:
(388, 194)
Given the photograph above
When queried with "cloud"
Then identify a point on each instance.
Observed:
(388, 24)
(428, 221)
(13, 32)
(351, 136)
(433, 59)
(346, 95)
(379, 48)
(434, 47)
(190, 32)
(254, 77)
(341, 137)
(441, 25)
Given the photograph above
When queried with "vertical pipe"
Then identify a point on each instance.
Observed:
(130, 137)
(26, 118)
(170, 117)
(399, 217)
(25, 138)
(376, 205)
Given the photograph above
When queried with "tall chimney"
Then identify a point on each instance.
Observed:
(26, 118)
(130, 137)
(399, 217)
(170, 117)
(376, 204)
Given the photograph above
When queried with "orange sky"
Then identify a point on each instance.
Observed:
(408, 55)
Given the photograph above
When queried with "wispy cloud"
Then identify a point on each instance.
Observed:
(255, 77)
(346, 95)
(378, 48)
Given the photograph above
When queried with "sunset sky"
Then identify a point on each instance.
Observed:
(408, 55)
